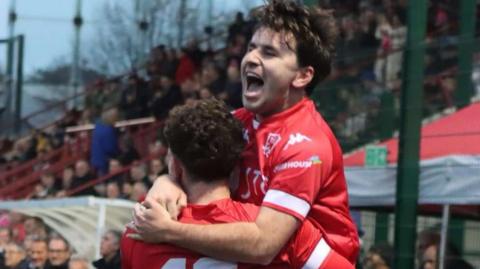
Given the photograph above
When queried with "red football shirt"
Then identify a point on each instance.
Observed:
(293, 163)
(302, 251)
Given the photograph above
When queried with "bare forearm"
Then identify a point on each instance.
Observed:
(239, 242)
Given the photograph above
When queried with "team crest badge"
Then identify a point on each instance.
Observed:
(270, 143)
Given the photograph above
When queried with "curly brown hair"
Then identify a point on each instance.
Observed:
(314, 29)
(206, 138)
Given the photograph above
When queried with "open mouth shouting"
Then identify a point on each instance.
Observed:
(254, 85)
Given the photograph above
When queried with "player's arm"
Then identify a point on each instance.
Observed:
(255, 242)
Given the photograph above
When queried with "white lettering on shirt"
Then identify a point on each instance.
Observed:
(297, 164)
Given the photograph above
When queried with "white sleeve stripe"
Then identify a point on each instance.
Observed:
(318, 256)
(288, 201)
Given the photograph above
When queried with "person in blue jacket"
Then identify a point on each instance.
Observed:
(104, 141)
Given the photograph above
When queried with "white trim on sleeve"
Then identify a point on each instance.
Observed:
(318, 256)
(288, 201)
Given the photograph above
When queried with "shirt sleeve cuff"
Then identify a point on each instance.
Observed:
(287, 203)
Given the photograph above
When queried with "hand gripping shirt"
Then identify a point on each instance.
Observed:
(293, 163)
(302, 251)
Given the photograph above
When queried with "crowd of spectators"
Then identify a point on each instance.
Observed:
(381, 255)
(27, 243)
(363, 88)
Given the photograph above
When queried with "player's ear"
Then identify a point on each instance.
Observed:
(303, 77)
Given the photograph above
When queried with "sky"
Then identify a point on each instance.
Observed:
(49, 32)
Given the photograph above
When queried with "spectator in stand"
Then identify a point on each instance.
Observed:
(367, 28)
(104, 141)
(5, 239)
(15, 257)
(237, 27)
(43, 161)
(128, 153)
(350, 35)
(6, 145)
(138, 173)
(95, 97)
(157, 54)
(157, 168)
(17, 226)
(205, 93)
(35, 226)
(112, 92)
(46, 188)
(38, 254)
(190, 98)
(169, 97)
(233, 85)
(426, 238)
(190, 87)
(41, 141)
(185, 68)
(56, 135)
(82, 176)
(113, 190)
(126, 190)
(134, 98)
(110, 251)
(382, 33)
(59, 253)
(67, 181)
(379, 257)
(398, 36)
(114, 166)
(24, 150)
(139, 191)
(195, 53)
(214, 81)
(157, 149)
(77, 262)
(453, 260)
(169, 67)
(86, 117)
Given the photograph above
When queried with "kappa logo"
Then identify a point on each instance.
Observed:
(314, 160)
(295, 139)
(270, 143)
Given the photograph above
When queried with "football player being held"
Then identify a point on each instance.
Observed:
(205, 143)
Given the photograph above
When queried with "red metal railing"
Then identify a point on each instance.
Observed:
(21, 181)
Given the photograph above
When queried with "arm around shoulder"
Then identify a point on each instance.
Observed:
(257, 242)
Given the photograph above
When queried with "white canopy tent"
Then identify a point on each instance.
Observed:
(449, 168)
(81, 221)
(449, 165)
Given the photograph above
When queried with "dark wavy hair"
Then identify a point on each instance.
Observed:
(314, 29)
(205, 137)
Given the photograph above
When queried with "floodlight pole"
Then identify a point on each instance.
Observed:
(182, 12)
(19, 85)
(12, 17)
(75, 70)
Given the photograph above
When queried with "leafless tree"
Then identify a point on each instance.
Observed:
(127, 33)
(122, 43)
